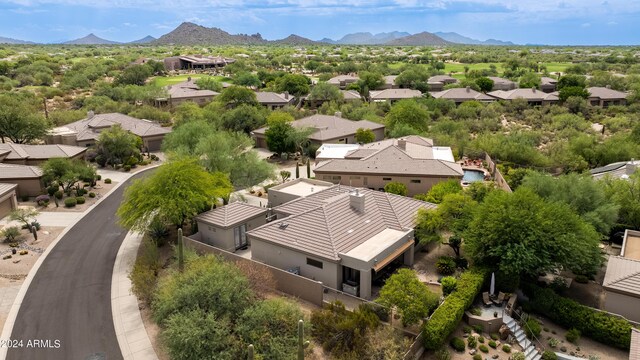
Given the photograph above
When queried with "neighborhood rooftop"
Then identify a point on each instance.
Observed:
(329, 127)
(231, 214)
(90, 127)
(10, 171)
(20, 151)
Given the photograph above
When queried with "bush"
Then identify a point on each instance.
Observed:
(582, 279)
(495, 336)
(127, 167)
(58, 194)
(518, 356)
(461, 262)
(532, 329)
(98, 177)
(492, 344)
(472, 343)
(70, 202)
(445, 319)
(475, 311)
(481, 339)
(603, 327)
(457, 344)
(446, 265)
(477, 357)
(107, 181)
(549, 355)
(478, 328)
(80, 191)
(553, 343)
(42, 200)
(145, 271)
(483, 348)
(443, 354)
(573, 335)
(506, 348)
(51, 190)
(79, 200)
(449, 284)
(92, 194)
(24, 197)
(10, 233)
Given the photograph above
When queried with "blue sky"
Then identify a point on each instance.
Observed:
(571, 22)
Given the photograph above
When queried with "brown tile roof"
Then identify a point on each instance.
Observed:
(325, 224)
(207, 60)
(394, 94)
(336, 80)
(329, 127)
(606, 93)
(502, 81)
(11, 171)
(6, 188)
(462, 94)
(445, 79)
(391, 161)
(88, 129)
(351, 95)
(19, 151)
(230, 215)
(623, 275)
(390, 79)
(548, 81)
(528, 94)
(189, 89)
(267, 97)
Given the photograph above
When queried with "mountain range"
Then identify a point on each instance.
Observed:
(189, 33)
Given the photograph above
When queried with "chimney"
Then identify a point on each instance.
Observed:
(468, 88)
(631, 167)
(286, 95)
(356, 200)
(608, 86)
(402, 144)
(338, 114)
(90, 114)
(533, 89)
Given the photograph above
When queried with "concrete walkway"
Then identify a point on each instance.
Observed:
(132, 337)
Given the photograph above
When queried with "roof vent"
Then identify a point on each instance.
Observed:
(356, 200)
(468, 88)
(338, 114)
(90, 114)
(283, 225)
(608, 86)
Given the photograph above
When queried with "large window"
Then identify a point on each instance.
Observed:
(314, 263)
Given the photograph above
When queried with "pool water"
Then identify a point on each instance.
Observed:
(473, 175)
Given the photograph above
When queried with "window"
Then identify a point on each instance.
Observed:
(354, 177)
(314, 263)
(415, 181)
(386, 179)
(336, 178)
(365, 181)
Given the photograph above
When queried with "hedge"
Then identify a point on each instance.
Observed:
(447, 316)
(600, 326)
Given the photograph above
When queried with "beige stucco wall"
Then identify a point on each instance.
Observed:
(8, 202)
(377, 182)
(622, 304)
(28, 187)
(223, 238)
(284, 258)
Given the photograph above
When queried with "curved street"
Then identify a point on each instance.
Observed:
(66, 313)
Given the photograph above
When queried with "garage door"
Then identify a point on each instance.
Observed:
(154, 145)
(5, 208)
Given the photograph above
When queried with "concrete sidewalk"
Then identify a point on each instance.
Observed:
(132, 337)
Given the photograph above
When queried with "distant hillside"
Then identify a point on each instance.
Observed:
(461, 39)
(295, 40)
(145, 40)
(191, 34)
(90, 39)
(420, 39)
(367, 38)
(4, 40)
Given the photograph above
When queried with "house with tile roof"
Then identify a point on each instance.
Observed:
(502, 83)
(21, 154)
(533, 96)
(412, 161)
(226, 227)
(186, 91)
(327, 129)
(27, 178)
(393, 95)
(342, 81)
(8, 199)
(605, 97)
(438, 82)
(622, 279)
(460, 95)
(548, 84)
(274, 100)
(85, 132)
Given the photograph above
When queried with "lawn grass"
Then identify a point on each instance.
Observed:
(170, 80)
(557, 66)
(459, 68)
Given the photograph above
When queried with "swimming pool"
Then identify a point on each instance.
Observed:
(473, 175)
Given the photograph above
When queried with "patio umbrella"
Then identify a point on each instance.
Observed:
(492, 289)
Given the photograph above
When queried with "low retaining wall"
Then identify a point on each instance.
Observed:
(495, 173)
(416, 349)
(294, 285)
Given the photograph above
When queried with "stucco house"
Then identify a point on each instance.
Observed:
(274, 100)
(502, 84)
(295, 189)
(412, 161)
(438, 82)
(188, 62)
(342, 81)
(327, 129)
(605, 96)
(20, 154)
(85, 132)
(27, 178)
(533, 96)
(8, 199)
(622, 279)
(548, 84)
(393, 95)
(226, 227)
(460, 95)
(186, 91)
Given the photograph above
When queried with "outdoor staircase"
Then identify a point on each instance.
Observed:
(530, 351)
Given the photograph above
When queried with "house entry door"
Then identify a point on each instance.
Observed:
(240, 236)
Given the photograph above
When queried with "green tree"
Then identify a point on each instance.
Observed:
(520, 233)
(530, 80)
(295, 84)
(485, 84)
(243, 118)
(209, 83)
(438, 191)
(66, 172)
(325, 92)
(116, 146)
(187, 112)
(364, 136)
(176, 192)
(184, 139)
(278, 135)
(134, 75)
(24, 215)
(409, 113)
(571, 81)
(414, 77)
(237, 95)
(396, 188)
(20, 119)
(626, 194)
(369, 80)
(573, 91)
(247, 79)
(404, 291)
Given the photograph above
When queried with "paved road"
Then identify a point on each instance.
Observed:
(69, 299)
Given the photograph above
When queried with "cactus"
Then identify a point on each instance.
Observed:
(297, 170)
(250, 351)
(308, 169)
(301, 343)
(180, 251)
(35, 233)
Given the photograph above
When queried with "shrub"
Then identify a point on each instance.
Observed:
(492, 344)
(443, 354)
(267, 187)
(92, 194)
(477, 357)
(518, 356)
(506, 348)
(107, 181)
(158, 231)
(553, 343)
(475, 311)
(495, 336)
(532, 329)
(605, 328)
(446, 265)
(127, 167)
(467, 329)
(549, 355)
(70, 202)
(10, 233)
(80, 191)
(582, 279)
(461, 262)
(51, 190)
(58, 194)
(448, 284)
(481, 339)
(457, 344)
(35, 224)
(478, 328)
(445, 319)
(42, 200)
(79, 200)
(573, 335)
(98, 177)
(145, 270)
(483, 348)
(472, 342)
